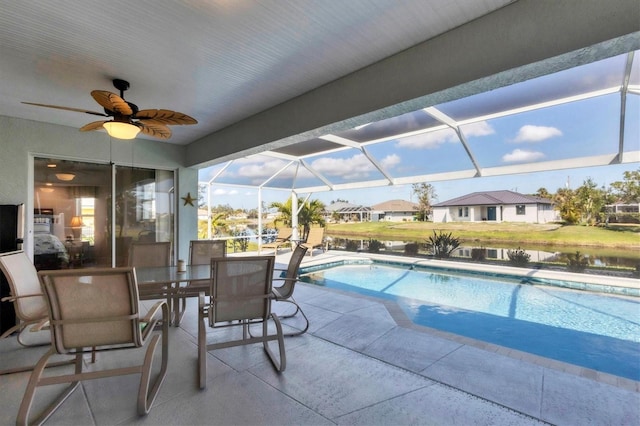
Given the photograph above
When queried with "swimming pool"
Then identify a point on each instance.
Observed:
(593, 330)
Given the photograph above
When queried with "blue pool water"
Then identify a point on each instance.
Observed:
(597, 331)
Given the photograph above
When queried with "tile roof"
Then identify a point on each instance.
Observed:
(396, 206)
(492, 198)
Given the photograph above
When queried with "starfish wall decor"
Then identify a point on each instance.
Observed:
(188, 199)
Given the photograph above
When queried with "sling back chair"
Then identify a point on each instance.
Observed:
(97, 308)
(283, 238)
(240, 296)
(25, 293)
(150, 254)
(200, 253)
(284, 293)
(28, 302)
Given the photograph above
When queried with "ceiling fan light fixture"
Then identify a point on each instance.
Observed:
(120, 130)
(67, 177)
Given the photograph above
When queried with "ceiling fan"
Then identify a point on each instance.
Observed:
(128, 120)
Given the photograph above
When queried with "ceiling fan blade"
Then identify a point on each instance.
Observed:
(95, 125)
(112, 102)
(165, 116)
(67, 109)
(155, 129)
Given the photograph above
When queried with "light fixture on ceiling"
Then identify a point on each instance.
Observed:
(120, 130)
(52, 165)
(46, 189)
(67, 177)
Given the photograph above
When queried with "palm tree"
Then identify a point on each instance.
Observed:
(311, 213)
(218, 225)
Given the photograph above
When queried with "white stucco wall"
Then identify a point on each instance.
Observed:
(20, 140)
(399, 216)
(533, 214)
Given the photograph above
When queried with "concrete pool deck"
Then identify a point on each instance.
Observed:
(361, 362)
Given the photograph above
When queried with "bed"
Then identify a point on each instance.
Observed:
(49, 252)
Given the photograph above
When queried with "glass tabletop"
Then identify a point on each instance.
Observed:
(170, 274)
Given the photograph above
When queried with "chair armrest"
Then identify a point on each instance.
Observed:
(275, 290)
(285, 279)
(13, 298)
(43, 324)
(149, 321)
(153, 310)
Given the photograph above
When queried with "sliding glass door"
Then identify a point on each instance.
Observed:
(88, 214)
(143, 208)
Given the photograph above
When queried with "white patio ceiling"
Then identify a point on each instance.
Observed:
(580, 117)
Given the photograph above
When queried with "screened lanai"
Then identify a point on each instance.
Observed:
(579, 117)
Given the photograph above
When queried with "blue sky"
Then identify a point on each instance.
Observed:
(583, 127)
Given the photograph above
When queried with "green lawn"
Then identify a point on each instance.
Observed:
(619, 237)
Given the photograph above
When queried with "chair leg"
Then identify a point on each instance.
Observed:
(298, 310)
(36, 380)
(17, 327)
(202, 343)
(20, 328)
(179, 310)
(282, 364)
(146, 396)
(31, 367)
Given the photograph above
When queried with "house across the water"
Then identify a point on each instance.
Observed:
(394, 211)
(495, 206)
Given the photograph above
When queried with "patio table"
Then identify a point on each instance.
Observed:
(180, 284)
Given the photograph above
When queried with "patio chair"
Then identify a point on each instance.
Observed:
(200, 253)
(150, 254)
(284, 293)
(240, 296)
(282, 239)
(97, 308)
(26, 295)
(28, 302)
(314, 239)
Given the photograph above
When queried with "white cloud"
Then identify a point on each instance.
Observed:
(356, 167)
(531, 133)
(430, 140)
(481, 128)
(221, 191)
(260, 169)
(521, 155)
(390, 161)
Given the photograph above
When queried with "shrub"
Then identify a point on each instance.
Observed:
(351, 245)
(442, 244)
(478, 254)
(411, 248)
(577, 262)
(518, 257)
(374, 246)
